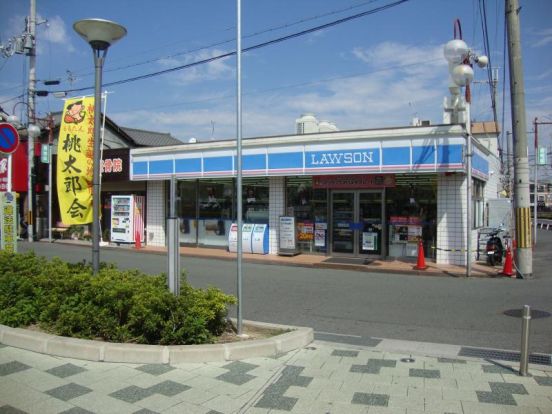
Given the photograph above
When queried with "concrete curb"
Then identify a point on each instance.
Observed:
(295, 338)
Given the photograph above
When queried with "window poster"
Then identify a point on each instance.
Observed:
(320, 238)
(369, 241)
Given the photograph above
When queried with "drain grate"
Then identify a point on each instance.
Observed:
(535, 313)
(540, 359)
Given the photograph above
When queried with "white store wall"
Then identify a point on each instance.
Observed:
(277, 205)
(155, 230)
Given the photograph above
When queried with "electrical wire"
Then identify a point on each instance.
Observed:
(290, 86)
(12, 99)
(248, 49)
(490, 77)
(223, 42)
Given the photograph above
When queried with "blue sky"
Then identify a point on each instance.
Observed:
(379, 70)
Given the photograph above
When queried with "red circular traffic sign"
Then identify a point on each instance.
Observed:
(9, 138)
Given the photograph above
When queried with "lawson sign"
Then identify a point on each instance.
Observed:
(324, 160)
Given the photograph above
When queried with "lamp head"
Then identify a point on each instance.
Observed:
(456, 51)
(482, 61)
(33, 130)
(462, 75)
(99, 33)
(13, 119)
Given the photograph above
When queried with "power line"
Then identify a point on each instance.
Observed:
(223, 42)
(248, 49)
(290, 86)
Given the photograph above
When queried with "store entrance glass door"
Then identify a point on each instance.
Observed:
(357, 222)
(370, 215)
(343, 217)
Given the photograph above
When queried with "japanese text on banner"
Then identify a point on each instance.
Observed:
(75, 161)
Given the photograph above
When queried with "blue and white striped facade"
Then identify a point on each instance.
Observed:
(408, 150)
(405, 150)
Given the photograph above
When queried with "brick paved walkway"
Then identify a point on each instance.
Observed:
(322, 378)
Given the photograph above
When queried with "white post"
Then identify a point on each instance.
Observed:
(239, 168)
(469, 190)
(31, 29)
(50, 191)
(9, 186)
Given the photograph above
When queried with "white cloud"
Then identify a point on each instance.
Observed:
(217, 69)
(53, 33)
(545, 38)
(56, 32)
(406, 80)
(390, 95)
(183, 124)
(403, 57)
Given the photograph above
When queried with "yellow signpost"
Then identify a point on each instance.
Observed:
(8, 222)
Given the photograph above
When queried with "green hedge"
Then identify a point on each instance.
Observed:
(117, 305)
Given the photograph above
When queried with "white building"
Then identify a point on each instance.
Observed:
(361, 193)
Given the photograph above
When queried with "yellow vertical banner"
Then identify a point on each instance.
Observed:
(75, 160)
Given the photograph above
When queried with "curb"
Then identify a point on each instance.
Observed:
(90, 350)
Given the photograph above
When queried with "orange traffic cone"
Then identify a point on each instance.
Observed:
(508, 264)
(137, 241)
(420, 264)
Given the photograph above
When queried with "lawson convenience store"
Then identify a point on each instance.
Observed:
(362, 193)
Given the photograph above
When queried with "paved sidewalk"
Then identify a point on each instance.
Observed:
(321, 378)
(402, 265)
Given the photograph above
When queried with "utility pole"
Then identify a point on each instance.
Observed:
(535, 184)
(31, 47)
(522, 205)
(509, 165)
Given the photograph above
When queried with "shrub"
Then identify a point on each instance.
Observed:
(116, 305)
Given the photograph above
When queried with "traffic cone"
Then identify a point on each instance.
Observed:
(420, 264)
(137, 241)
(508, 264)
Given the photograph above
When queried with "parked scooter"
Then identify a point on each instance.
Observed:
(495, 248)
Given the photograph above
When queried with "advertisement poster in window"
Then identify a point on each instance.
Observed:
(305, 231)
(320, 238)
(369, 241)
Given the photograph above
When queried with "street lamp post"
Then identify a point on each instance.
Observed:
(100, 34)
(460, 59)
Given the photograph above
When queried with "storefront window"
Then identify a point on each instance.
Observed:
(411, 210)
(215, 211)
(255, 200)
(187, 211)
(310, 208)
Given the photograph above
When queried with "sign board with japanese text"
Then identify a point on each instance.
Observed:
(354, 181)
(287, 245)
(75, 161)
(8, 222)
(115, 165)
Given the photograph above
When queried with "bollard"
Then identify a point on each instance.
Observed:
(524, 357)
